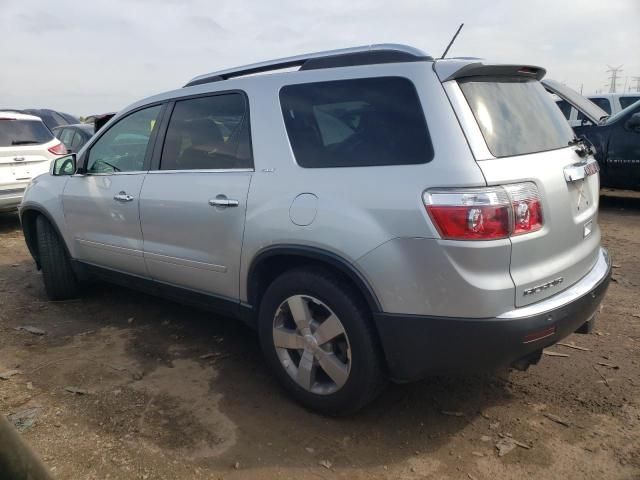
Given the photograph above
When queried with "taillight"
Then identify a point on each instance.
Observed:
(487, 213)
(58, 149)
(527, 210)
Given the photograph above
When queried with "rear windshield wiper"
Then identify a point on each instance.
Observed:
(24, 142)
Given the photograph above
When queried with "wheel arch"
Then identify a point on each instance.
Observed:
(28, 217)
(271, 261)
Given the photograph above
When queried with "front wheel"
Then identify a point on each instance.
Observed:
(316, 334)
(59, 280)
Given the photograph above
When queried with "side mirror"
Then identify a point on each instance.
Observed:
(64, 165)
(633, 123)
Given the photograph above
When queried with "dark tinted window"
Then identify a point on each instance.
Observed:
(355, 123)
(565, 108)
(23, 132)
(123, 147)
(627, 101)
(603, 103)
(516, 116)
(66, 136)
(208, 133)
(78, 141)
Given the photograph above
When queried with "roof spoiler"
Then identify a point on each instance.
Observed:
(482, 70)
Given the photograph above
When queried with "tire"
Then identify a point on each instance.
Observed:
(588, 326)
(60, 282)
(354, 351)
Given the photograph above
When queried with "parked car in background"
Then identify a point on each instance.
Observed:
(616, 138)
(611, 103)
(98, 120)
(74, 136)
(27, 147)
(376, 215)
(52, 118)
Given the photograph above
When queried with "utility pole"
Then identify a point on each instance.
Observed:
(637, 80)
(613, 78)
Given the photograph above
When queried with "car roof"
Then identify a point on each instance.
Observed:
(361, 55)
(614, 95)
(13, 115)
(81, 126)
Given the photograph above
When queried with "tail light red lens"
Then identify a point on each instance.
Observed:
(471, 223)
(527, 210)
(485, 213)
(58, 149)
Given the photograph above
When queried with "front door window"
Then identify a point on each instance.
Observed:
(124, 147)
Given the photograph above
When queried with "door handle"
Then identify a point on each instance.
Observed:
(222, 201)
(123, 197)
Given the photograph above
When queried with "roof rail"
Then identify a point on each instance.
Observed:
(364, 55)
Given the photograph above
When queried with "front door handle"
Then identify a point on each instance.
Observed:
(223, 201)
(123, 197)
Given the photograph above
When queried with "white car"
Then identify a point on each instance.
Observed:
(27, 148)
(611, 103)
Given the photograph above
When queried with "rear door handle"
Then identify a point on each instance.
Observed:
(222, 201)
(123, 197)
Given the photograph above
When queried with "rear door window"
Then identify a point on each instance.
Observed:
(208, 133)
(516, 115)
(77, 142)
(66, 136)
(23, 132)
(356, 123)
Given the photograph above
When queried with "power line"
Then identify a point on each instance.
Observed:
(613, 78)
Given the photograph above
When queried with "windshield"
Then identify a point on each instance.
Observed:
(516, 116)
(15, 133)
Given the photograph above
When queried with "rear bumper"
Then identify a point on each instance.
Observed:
(10, 199)
(416, 346)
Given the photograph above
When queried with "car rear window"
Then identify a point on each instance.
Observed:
(356, 123)
(23, 132)
(516, 116)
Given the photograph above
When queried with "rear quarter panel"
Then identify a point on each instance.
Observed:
(360, 208)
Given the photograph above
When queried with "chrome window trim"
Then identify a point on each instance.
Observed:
(213, 170)
(108, 174)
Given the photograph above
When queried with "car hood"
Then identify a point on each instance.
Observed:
(585, 106)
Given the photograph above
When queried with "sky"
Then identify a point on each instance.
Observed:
(87, 57)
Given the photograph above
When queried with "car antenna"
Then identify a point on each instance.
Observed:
(452, 40)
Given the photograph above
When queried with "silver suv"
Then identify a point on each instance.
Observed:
(376, 214)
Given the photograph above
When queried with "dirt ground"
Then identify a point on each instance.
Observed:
(169, 392)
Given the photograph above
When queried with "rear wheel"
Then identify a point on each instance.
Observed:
(316, 334)
(588, 326)
(59, 280)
